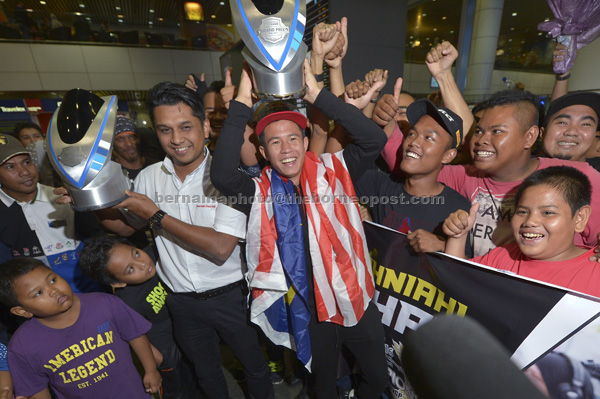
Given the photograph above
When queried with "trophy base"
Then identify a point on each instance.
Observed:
(106, 190)
(283, 85)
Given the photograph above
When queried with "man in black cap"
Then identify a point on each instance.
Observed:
(418, 204)
(571, 126)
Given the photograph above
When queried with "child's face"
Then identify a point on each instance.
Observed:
(543, 224)
(42, 293)
(130, 265)
(426, 148)
(499, 142)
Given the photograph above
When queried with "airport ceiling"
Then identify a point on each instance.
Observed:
(149, 13)
(428, 21)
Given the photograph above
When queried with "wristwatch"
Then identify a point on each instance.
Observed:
(155, 222)
(319, 77)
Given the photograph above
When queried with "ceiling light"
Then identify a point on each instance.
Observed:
(161, 19)
(410, 37)
(150, 23)
(222, 3)
(82, 5)
(117, 8)
(120, 16)
(451, 31)
(514, 14)
(43, 2)
(29, 10)
(540, 34)
(120, 20)
(88, 18)
(435, 29)
(213, 16)
(229, 25)
(510, 40)
(426, 38)
(547, 19)
(423, 15)
(151, 11)
(443, 17)
(512, 28)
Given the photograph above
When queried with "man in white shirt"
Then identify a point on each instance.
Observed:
(33, 225)
(197, 239)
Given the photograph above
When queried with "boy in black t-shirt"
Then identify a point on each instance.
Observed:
(132, 273)
(417, 204)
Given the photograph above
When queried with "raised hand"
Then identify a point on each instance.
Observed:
(360, 93)
(387, 106)
(228, 91)
(341, 45)
(190, 83)
(460, 222)
(244, 94)
(440, 58)
(312, 87)
(324, 39)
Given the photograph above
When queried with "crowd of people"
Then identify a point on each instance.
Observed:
(246, 222)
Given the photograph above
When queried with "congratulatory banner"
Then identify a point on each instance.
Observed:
(528, 317)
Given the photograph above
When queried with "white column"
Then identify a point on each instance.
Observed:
(488, 16)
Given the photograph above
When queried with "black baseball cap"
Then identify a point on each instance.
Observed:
(452, 123)
(588, 98)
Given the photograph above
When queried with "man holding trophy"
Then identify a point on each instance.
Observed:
(308, 264)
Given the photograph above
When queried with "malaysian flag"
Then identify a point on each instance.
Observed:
(342, 273)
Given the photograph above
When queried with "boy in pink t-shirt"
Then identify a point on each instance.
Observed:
(552, 205)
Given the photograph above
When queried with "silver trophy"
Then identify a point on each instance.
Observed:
(79, 145)
(274, 48)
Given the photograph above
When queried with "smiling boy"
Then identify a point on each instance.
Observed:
(553, 204)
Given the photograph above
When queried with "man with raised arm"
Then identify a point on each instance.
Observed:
(307, 254)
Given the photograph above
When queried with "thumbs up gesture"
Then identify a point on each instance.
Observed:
(387, 106)
(460, 222)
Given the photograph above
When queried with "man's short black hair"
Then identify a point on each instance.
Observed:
(95, 255)
(24, 125)
(10, 271)
(573, 184)
(529, 109)
(169, 93)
